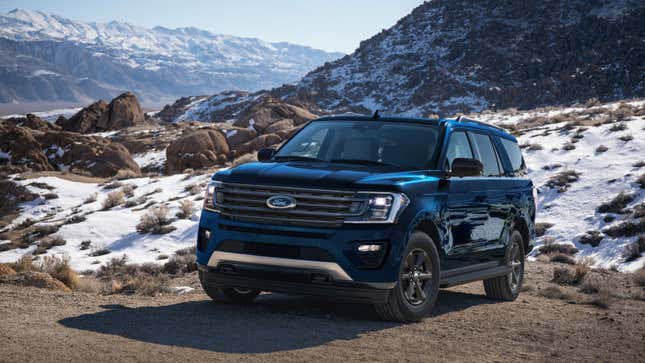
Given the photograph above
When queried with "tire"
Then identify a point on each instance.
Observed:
(415, 293)
(508, 287)
(232, 295)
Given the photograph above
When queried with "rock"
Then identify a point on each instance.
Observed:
(279, 126)
(23, 150)
(124, 111)
(199, 149)
(36, 279)
(33, 122)
(258, 143)
(263, 114)
(238, 136)
(81, 154)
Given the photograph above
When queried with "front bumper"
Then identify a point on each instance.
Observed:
(297, 281)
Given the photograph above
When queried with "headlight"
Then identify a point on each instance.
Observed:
(380, 207)
(212, 195)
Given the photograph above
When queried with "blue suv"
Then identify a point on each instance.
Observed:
(377, 210)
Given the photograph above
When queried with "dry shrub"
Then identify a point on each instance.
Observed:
(601, 149)
(622, 112)
(50, 196)
(638, 164)
(156, 221)
(24, 264)
(89, 284)
(568, 276)
(639, 277)
(563, 179)
(125, 174)
(85, 245)
(562, 258)
(58, 267)
(594, 101)
(634, 250)
(186, 208)
(617, 204)
(193, 189)
(91, 198)
(620, 126)
(554, 292)
(626, 138)
(592, 238)
(99, 251)
(49, 242)
(5, 269)
(601, 300)
(128, 190)
(123, 278)
(627, 228)
(590, 286)
(568, 146)
(182, 262)
(541, 228)
(552, 247)
(36, 279)
(113, 199)
(112, 185)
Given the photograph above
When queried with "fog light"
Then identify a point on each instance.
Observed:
(369, 248)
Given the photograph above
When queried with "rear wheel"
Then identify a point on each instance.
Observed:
(235, 295)
(508, 287)
(416, 292)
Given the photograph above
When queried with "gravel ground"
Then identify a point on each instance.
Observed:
(43, 325)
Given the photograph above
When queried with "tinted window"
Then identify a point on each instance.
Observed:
(486, 153)
(458, 147)
(409, 146)
(514, 154)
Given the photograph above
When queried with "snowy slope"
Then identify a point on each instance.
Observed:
(573, 212)
(45, 47)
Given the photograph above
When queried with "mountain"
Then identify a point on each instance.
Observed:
(451, 56)
(49, 58)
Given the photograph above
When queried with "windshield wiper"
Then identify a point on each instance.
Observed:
(295, 158)
(361, 162)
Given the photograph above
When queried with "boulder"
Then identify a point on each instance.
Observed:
(261, 115)
(199, 149)
(31, 121)
(123, 111)
(238, 136)
(279, 126)
(93, 155)
(20, 151)
(258, 143)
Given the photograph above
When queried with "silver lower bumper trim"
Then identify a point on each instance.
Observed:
(333, 269)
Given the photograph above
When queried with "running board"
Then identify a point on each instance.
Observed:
(464, 278)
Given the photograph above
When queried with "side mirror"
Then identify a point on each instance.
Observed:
(265, 154)
(462, 167)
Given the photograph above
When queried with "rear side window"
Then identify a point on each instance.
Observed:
(458, 147)
(514, 155)
(486, 153)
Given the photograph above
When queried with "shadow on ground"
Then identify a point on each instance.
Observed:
(274, 323)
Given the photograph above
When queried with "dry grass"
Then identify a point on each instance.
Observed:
(617, 204)
(91, 198)
(113, 185)
(592, 238)
(569, 276)
(562, 258)
(49, 242)
(541, 228)
(641, 181)
(128, 190)
(186, 208)
(113, 199)
(626, 138)
(620, 126)
(634, 250)
(627, 228)
(601, 149)
(638, 164)
(602, 300)
(58, 267)
(554, 292)
(639, 277)
(193, 189)
(563, 179)
(156, 221)
(6, 269)
(552, 247)
(568, 146)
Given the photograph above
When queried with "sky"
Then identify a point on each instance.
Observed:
(332, 25)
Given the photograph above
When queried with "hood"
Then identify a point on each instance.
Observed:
(318, 175)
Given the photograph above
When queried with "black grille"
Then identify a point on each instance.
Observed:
(228, 227)
(314, 207)
(276, 250)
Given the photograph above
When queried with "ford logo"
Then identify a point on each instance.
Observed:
(281, 202)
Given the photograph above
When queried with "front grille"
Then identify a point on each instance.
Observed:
(314, 207)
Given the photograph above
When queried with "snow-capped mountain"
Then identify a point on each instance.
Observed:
(46, 57)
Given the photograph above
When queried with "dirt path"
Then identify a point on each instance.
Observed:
(41, 325)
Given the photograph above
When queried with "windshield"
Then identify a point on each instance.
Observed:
(401, 145)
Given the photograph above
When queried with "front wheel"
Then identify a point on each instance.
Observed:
(416, 292)
(234, 295)
(508, 287)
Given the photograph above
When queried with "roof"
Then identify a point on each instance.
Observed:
(461, 120)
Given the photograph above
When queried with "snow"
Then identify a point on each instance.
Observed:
(52, 115)
(150, 159)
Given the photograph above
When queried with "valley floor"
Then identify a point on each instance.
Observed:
(42, 325)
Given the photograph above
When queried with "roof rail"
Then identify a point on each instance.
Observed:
(466, 119)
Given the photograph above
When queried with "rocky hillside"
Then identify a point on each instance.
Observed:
(45, 57)
(460, 56)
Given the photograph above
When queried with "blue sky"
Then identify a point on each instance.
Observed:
(333, 25)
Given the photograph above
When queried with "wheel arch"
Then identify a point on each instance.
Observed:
(520, 225)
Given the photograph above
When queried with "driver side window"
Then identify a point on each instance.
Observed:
(458, 147)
